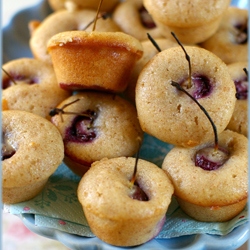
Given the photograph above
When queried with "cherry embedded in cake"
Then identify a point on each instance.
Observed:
(137, 193)
(29, 157)
(201, 86)
(30, 84)
(207, 163)
(95, 125)
(124, 214)
(210, 159)
(146, 18)
(133, 18)
(205, 179)
(239, 120)
(242, 34)
(230, 41)
(7, 149)
(82, 129)
(13, 79)
(163, 111)
(241, 88)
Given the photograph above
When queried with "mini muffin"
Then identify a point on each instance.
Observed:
(94, 60)
(113, 213)
(64, 20)
(191, 20)
(102, 125)
(217, 194)
(133, 19)
(239, 120)
(172, 116)
(30, 84)
(230, 42)
(89, 4)
(32, 150)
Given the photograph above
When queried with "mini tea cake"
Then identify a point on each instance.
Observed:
(31, 152)
(170, 115)
(113, 214)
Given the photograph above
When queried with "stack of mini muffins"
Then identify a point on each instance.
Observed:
(114, 77)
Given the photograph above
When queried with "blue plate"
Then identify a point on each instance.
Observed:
(15, 41)
(232, 241)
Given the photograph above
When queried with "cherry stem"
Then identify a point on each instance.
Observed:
(11, 78)
(103, 15)
(132, 181)
(246, 71)
(135, 169)
(187, 58)
(178, 86)
(61, 111)
(153, 42)
(97, 14)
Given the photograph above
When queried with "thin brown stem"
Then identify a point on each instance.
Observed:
(103, 15)
(153, 42)
(60, 111)
(246, 71)
(11, 78)
(97, 14)
(133, 179)
(178, 86)
(188, 59)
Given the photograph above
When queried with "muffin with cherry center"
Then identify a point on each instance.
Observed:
(32, 149)
(133, 18)
(239, 120)
(115, 212)
(100, 125)
(170, 115)
(230, 42)
(30, 84)
(210, 184)
(94, 60)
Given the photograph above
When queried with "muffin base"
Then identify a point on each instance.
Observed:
(212, 213)
(24, 193)
(77, 168)
(109, 230)
(192, 35)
